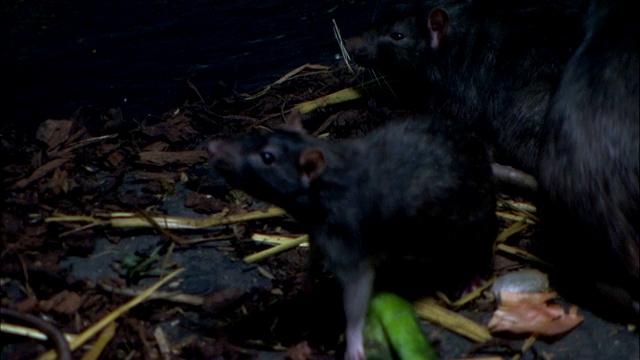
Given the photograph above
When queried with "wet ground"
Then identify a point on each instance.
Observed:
(99, 164)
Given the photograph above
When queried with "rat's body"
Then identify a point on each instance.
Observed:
(415, 188)
(491, 64)
(589, 164)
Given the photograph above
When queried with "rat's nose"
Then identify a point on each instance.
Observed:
(215, 147)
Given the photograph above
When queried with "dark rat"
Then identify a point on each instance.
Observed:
(413, 190)
(492, 64)
(589, 163)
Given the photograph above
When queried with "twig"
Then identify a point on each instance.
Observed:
(174, 238)
(511, 230)
(131, 220)
(467, 297)
(194, 88)
(334, 98)
(175, 297)
(428, 309)
(286, 77)
(521, 254)
(273, 239)
(105, 336)
(514, 217)
(276, 249)
(102, 323)
(343, 49)
(29, 332)
(53, 333)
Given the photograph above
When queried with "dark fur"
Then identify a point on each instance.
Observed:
(416, 189)
(493, 65)
(589, 177)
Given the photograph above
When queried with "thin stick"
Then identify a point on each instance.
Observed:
(343, 49)
(62, 346)
(105, 336)
(429, 310)
(102, 323)
(511, 230)
(276, 249)
(132, 220)
(521, 254)
(29, 332)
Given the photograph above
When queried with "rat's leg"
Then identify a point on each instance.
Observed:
(357, 288)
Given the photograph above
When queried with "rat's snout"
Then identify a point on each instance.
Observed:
(216, 148)
(222, 153)
(359, 50)
(224, 156)
(221, 149)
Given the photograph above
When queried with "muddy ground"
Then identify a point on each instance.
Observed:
(99, 163)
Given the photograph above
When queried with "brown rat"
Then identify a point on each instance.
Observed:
(491, 64)
(415, 188)
(590, 164)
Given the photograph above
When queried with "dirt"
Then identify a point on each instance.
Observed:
(99, 163)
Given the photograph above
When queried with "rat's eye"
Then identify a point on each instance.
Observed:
(267, 157)
(396, 36)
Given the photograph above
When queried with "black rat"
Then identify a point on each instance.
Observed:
(590, 161)
(416, 189)
(492, 64)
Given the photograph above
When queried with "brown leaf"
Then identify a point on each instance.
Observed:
(532, 315)
(27, 305)
(221, 299)
(64, 302)
(115, 159)
(54, 132)
(156, 146)
(162, 158)
(203, 204)
(178, 128)
(59, 182)
(41, 171)
(301, 351)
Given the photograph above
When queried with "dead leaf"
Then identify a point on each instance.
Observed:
(221, 299)
(54, 132)
(162, 158)
(203, 204)
(41, 171)
(157, 146)
(64, 302)
(178, 128)
(58, 183)
(115, 159)
(530, 314)
(27, 305)
(301, 351)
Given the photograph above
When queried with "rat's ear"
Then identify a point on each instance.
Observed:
(293, 122)
(439, 21)
(312, 163)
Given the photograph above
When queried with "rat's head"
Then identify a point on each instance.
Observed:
(277, 167)
(402, 41)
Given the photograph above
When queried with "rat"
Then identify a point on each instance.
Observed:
(415, 189)
(589, 164)
(491, 64)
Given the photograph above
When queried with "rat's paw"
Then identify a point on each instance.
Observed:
(355, 345)
(354, 354)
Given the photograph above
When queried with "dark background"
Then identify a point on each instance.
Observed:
(58, 55)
